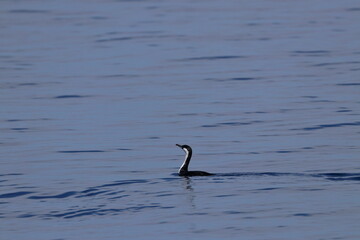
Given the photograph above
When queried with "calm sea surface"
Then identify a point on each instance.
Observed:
(95, 94)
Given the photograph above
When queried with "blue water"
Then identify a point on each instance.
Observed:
(95, 94)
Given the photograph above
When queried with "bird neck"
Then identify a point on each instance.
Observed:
(185, 165)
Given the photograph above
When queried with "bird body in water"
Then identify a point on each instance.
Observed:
(183, 171)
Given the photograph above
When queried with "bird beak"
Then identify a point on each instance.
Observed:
(178, 145)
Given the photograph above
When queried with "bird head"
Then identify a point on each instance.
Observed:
(186, 148)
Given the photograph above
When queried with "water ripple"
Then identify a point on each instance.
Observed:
(230, 124)
(232, 79)
(340, 176)
(353, 9)
(209, 58)
(89, 192)
(69, 96)
(92, 194)
(14, 194)
(348, 84)
(126, 38)
(327, 176)
(11, 174)
(99, 211)
(28, 11)
(334, 63)
(123, 182)
(82, 151)
(62, 195)
(312, 52)
(328, 126)
(114, 39)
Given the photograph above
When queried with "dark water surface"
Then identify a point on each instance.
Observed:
(95, 94)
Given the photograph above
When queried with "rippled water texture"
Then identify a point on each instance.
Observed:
(95, 95)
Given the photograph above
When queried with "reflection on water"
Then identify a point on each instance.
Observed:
(94, 95)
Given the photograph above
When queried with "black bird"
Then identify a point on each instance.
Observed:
(183, 171)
